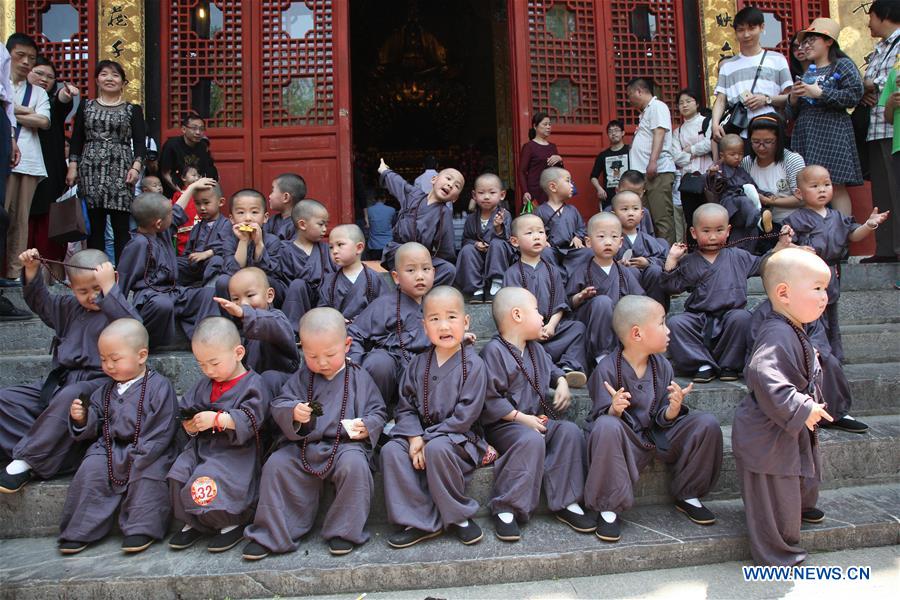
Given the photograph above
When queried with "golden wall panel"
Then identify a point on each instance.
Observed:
(120, 37)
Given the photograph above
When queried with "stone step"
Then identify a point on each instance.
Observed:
(653, 537)
(847, 460)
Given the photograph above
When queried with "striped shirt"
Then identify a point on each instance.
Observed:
(778, 179)
(736, 77)
(881, 61)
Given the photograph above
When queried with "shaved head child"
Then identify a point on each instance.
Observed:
(148, 269)
(774, 432)
(435, 445)
(536, 444)
(561, 336)
(306, 260)
(563, 222)
(287, 190)
(136, 407)
(267, 335)
(595, 285)
(33, 416)
(249, 245)
(736, 191)
(635, 181)
(485, 252)
(829, 233)
(331, 416)
(388, 332)
(214, 483)
(353, 286)
(200, 261)
(638, 414)
(710, 337)
(426, 218)
(640, 250)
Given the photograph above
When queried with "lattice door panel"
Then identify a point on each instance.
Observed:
(563, 60)
(63, 32)
(647, 42)
(298, 65)
(206, 56)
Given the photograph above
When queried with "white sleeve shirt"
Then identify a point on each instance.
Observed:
(7, 94)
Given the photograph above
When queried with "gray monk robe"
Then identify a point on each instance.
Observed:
(143, 501)
(435, 498)
(475, 268)
(304, 273)
(654, 250)
(384, 345)
(527, 457)
(777, 457)
(148, 268)
(271, 345)
(205, 235)
(350, 297)
(33, 425)
(566, 347)
(562, 225)
(712, 330)
(229, 458)
(596, 312)
(835, 388)
(828, 236)
(620, 447)
(281, 227)
(269, 261)
(429, 224)
(294, 475)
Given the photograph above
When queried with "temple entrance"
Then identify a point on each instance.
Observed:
(430, 79)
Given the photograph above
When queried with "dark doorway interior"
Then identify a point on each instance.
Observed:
(423, 84)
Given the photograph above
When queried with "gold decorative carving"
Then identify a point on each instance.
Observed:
(7, 18)
(120, 37)
(855, 38)
(717, 35)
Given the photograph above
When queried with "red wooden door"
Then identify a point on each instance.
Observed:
(573, 59)
(273, 76)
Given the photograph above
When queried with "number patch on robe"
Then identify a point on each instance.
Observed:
(204, 491)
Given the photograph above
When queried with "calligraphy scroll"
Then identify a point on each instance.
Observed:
(717, 33)
(120, 37)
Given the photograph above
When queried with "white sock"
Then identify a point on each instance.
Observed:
(848, 417)
(462, 523)
(496, 286)
(229, 528)
(707, 368)
(186, 528)
(693, 502)
(478, 293)
(608, 516)
(17, 466)
(575, 508)
(506, 517)
(600, 357)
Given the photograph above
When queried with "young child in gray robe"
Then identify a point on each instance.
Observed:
(287, 190)
(638, 414)
(536, 443)
(306, 259)
(33, 416)
(131, 421)
(331, 416)
(201, 261)
(563, 223)
(353, 286)
(640, 250)
(774, 436)
(435, 444)
(425, 218)
(214, 483)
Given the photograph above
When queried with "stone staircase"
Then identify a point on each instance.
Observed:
(861, 496)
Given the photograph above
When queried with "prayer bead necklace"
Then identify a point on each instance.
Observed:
(590, 280)
(369, 291)
(337, 437)
(809, 367)
(400, 330)
(764, 236)
(107, 438)
(151, 259)
(524, 284)
(534, 383)
(620, 385)
(436, 240)
(429, 421)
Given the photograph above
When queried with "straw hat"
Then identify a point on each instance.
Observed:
(822, 26)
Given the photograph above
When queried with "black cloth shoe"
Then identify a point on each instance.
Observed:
(10, 484)
(728, 375)
(254, 551)
(184, 539)
(9, 311)
(609, 532)
(136, 543)
(845, 423)
(575, 379)
(580, 523)
(507, 532)
(470, 534)
(70, 547)
(226, 541)
(10, 283)
(339, 546)
(705, 375)
(698, 514)
(813, 515)
(410, 537)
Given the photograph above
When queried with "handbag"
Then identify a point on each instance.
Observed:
(68, 220)
(692, 183)
(737, 117)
